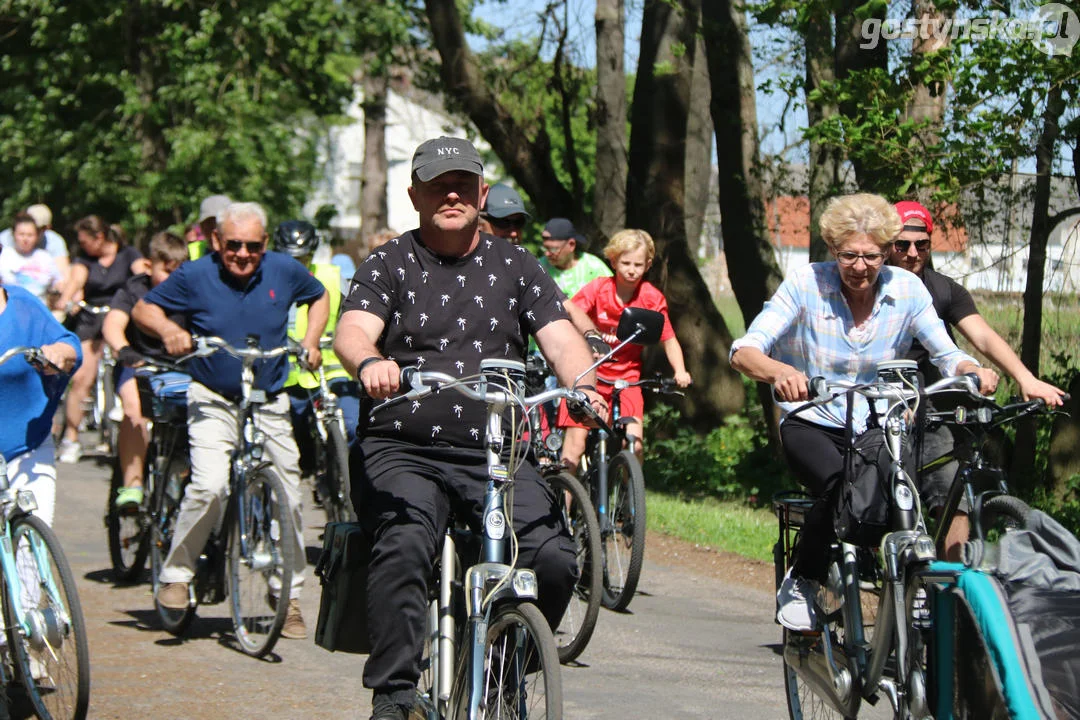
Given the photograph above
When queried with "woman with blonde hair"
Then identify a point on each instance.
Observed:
(838, 320)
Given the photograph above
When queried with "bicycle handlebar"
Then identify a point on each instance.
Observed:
(33, 355)
(657, 384)
(207, 345)
(92, 309)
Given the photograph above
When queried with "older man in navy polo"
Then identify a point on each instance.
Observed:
(240, 290)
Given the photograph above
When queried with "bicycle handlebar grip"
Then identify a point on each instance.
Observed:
(975, 379)
(817, 387)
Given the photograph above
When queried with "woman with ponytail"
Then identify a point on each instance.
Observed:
(103, 266)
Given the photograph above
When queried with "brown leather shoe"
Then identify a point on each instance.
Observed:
(173, 596)
(294, 628)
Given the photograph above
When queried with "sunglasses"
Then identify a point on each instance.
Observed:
(254, 247)
(903, 245)
(553, 250)
(507, 223)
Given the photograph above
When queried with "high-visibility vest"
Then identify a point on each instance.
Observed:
(196, 250)
(330, 277)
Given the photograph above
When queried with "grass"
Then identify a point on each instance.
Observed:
(729, 526)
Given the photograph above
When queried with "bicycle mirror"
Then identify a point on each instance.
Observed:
(645, 326)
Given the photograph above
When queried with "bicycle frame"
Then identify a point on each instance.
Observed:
(13, 504)
(844, 676)
(492, 579)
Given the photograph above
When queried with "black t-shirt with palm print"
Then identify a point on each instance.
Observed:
(447, 314)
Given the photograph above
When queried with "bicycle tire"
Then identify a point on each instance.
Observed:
(538, 694)
(579, 621)
(53, 663)
(167, 496)
(1008, 507)
(803, 703)
(109, 429)
(337, 501)
(128, 532)
(257, 615)
(624, 541)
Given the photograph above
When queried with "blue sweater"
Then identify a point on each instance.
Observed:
(28, 399)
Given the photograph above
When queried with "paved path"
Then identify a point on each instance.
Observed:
(693, 647)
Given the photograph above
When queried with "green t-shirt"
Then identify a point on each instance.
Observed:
(585, 270)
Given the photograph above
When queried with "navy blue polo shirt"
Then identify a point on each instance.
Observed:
(214, 303)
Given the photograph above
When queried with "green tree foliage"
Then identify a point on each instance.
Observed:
(136, 109)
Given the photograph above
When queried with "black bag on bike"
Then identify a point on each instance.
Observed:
(861, 513)
(342, 570)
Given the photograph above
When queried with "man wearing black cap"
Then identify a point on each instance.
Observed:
(444, 296)
(504, 213)
(565, 258)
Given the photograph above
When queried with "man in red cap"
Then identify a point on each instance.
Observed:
(956, 308)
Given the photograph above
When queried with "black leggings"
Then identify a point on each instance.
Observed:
(815, 454)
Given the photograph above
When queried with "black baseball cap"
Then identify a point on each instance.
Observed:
(444, 154)
(562, 229)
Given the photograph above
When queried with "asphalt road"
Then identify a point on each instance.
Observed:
(692, 647)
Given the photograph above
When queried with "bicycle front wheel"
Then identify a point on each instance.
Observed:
(520, 677)
(578, 622)
(260, 562)
(48, 644)
(127, 529)
(624, 530)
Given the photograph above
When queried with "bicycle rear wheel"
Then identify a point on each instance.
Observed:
(167, 495)
(128, 532)
(260, 562)
(578, 622)
(521, 676)
(624, 538)
(802, 700)
(49, 650)
(334, 487)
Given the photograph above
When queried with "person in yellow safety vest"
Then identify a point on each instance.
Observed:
(300, 240)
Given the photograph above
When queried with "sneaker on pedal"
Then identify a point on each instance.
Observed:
(795, 603)
(69, 452)
(129, 498)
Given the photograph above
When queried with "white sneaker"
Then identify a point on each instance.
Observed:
(116, 412)
(70, 451)
(795, 601)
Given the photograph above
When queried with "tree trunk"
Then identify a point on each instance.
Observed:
(373, 210)
(153, 148)
(1031, 334)
(609, 193)
(656, 203)
(527, 159)
(850, 58)
(928, 100)
(699, 138)
(752, 265)
(825, 160)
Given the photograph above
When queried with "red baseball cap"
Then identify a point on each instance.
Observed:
(909, 209)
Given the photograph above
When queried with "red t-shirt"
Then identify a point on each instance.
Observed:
(602, 304)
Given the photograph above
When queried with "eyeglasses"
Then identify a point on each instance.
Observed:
(507, 223)
(850, 258)
(549, 250)
(903, 245)
(254, 247)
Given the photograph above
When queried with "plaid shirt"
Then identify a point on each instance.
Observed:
(808, 325)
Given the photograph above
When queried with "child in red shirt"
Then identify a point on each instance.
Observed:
(630, 253)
